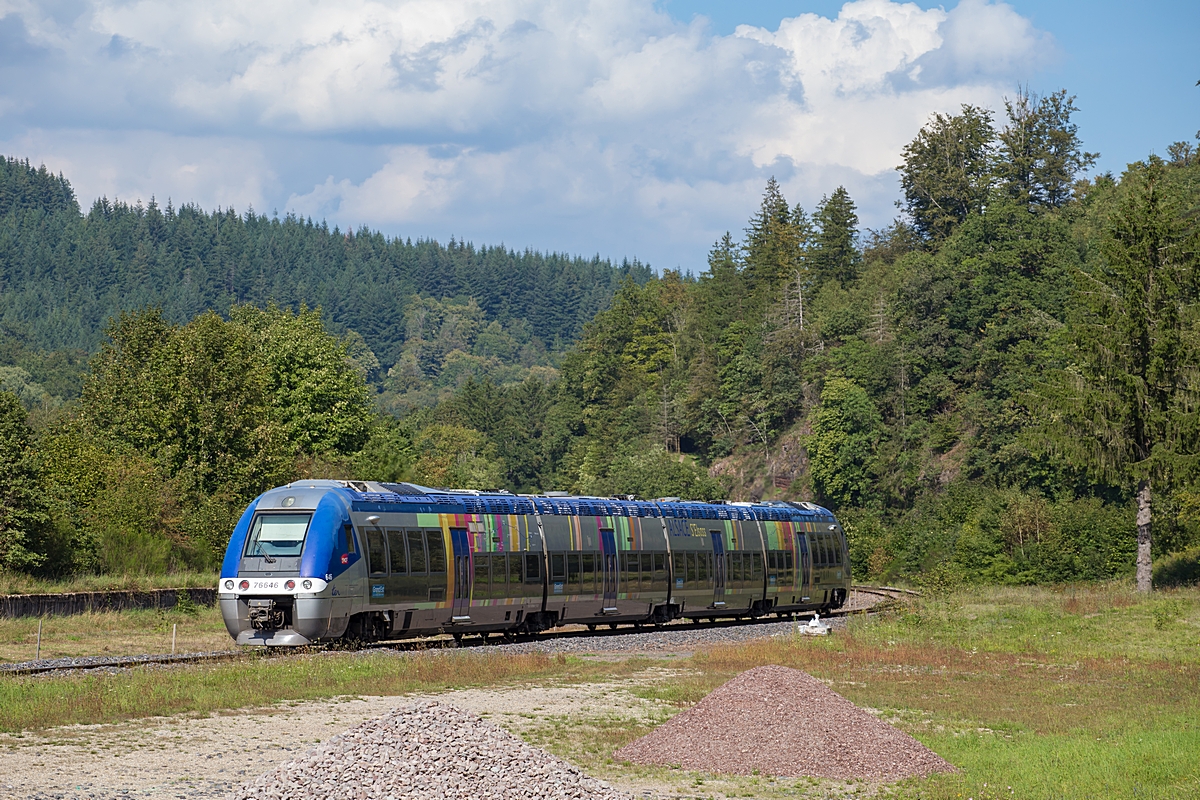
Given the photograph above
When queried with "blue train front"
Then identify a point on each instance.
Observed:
(320, 560)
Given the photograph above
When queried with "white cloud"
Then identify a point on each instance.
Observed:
(602, 125)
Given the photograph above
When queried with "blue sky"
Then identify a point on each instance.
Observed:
(629, 128)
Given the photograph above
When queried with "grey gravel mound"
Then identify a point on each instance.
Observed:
(426, 750)
(783, 722)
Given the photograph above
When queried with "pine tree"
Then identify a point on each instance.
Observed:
(1129, 407)
(835, 255)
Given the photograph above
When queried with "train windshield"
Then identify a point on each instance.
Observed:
(277, 535)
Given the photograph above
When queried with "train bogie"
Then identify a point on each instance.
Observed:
(322, 560)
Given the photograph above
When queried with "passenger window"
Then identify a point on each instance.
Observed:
(397, 553)
(588, 571)
(756, 568)
(437, 552)
(515, 578)
(482, 590)
(533, 569)
(837, 551)
(376, 552)
(573, 574)
(499, 575)
(416, 553)
(349, 531)
(691, 571)
(558, 567)
(660, 568)
(703, 569)
(735, 569)
(647, 570)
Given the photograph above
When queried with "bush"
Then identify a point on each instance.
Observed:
(1178, 569)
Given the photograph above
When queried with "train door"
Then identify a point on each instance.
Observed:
(805, 566)
(608, 557)
(463, 573)
(719, 568)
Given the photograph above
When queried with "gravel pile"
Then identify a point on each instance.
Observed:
(426, 750)
(786, 723)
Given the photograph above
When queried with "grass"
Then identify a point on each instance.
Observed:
(1074, 692)
(19, 583)
(32, 704)
(114, 633)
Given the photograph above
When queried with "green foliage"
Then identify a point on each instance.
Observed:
(948, 171)
(1178, 569)
(842, 446)
(23, 517)
(835, 254)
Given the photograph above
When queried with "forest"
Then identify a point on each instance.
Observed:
(1001, 386)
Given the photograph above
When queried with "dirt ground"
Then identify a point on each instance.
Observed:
(206, 757)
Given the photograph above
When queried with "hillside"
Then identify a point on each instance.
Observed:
(64, 274)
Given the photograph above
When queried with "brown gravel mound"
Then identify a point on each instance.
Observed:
(786, 723)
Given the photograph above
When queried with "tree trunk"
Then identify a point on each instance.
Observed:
(1143, 536)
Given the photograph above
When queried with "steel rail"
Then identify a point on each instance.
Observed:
(445, 641)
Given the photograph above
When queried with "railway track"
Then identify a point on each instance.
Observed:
(863, 599)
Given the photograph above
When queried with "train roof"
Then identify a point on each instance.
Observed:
(380, 495)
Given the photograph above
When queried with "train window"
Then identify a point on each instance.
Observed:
(647, 570)
(349, 531)
(376, 552)
(789, 568)
(756, 568)
(678, 569)
(397, 553)
(837, 551)
(691, 571)
(416, 553)
(703, 569)
(826, 552)
(735, 570)
(558, 567)
(499, 576)
(437, 552)
(588, 570)
(573, 574)
(277, 535)
(660, 569)
(629, 565)
(482, 589)
(533, 569)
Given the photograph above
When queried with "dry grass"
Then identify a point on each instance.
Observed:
(35, 703)
(113, 633)
(20, 583)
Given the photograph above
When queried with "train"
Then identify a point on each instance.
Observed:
(318, 561)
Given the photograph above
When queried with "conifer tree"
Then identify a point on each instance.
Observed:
(835, 255)
(1129, 407)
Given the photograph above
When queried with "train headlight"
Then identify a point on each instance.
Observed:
(229, 585)
(290, 585)
(244, 585)
(306, 584)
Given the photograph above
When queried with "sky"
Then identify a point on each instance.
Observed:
(628, 128)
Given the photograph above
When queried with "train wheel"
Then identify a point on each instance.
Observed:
(457, 639)
(612, 626)
(483, 635)
(591, 626)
